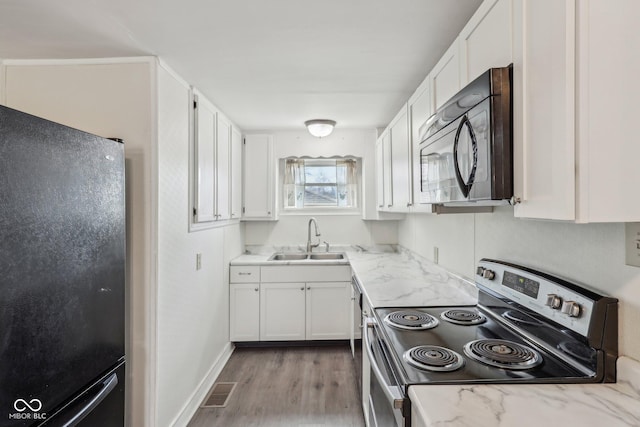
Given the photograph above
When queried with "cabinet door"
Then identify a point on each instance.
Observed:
(544, 109)
(327, 316)
(400, 157)
(387, 171)
(236, 173)
(258, 177)
(282, 311)
(244, 311)
(485, 42)
(380, 174)
(205, 161)
(223, 170)
(607, 92)
(445, 76)
(419, 111)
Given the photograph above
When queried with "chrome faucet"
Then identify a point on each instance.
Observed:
(310, 246)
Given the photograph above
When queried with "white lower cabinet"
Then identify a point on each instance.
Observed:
(328, 306)
(244, 300)
(288, 303)
(282, 311)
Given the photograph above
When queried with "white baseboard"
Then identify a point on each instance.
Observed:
(200, 393)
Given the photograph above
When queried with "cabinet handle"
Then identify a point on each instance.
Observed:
(389, 206)
(269, 213)
(381, 206)
(308, 288)
(244, 274)
(256, 289)
(302, 288)
(409, 204)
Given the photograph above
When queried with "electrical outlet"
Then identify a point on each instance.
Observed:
(435, 254)
(198, 261)
(632, 243)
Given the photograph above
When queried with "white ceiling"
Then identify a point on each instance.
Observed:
(268, 64)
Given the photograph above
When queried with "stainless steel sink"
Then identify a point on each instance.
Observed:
(287, 257)
(326, 256)
(280, 256)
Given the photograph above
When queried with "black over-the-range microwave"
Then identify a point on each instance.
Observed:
(466, 146)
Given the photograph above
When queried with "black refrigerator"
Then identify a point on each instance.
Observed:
(62, 275)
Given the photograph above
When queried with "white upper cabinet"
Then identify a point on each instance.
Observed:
(223, 169)
(420, 108)
(575, 154)
(576, 78)
(380, 174)
(485, 42)
(259, 178)
(204, 161)
(544, 109)
(445, 76)
(384, 162)
(212, 162)
(236, 173)
(607, 94)
(400, 162)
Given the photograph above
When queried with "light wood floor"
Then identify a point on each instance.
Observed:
(288, 386)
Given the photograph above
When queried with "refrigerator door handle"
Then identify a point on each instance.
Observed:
(108, 385)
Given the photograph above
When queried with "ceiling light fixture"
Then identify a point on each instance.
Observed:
(320, 127)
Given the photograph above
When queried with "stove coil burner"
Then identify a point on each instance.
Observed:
(411, 319)
(503, 354)
(519, 317)
(463, 317)
(433, 358)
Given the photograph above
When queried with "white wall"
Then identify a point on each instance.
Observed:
(336, 229)
(591, 254)
(193, 305)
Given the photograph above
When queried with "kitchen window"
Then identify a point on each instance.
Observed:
(320, 184)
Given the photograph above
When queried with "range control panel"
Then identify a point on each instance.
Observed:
(545, 296)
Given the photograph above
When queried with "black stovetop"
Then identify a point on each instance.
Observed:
(454, 337)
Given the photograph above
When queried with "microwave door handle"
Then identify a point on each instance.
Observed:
(465, 187)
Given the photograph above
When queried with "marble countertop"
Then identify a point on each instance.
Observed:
(531, 405)
(388, 278)
(406, 280)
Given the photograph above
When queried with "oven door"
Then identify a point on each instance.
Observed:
(388, 405)
(454, 162)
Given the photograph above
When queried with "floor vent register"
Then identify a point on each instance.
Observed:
(219, 395)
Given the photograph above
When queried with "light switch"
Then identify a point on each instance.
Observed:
(632, 243)
(198, 261)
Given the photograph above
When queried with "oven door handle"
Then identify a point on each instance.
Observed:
(392, 393)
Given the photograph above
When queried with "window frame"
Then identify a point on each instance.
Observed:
(318, 209)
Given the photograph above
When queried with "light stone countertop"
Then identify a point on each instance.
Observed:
(407, 280)
(388, 278)
(531, 405)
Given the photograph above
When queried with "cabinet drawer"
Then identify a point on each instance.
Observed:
(306, 273)
(244, 274)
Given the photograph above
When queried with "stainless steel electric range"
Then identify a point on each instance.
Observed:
(528, 327)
